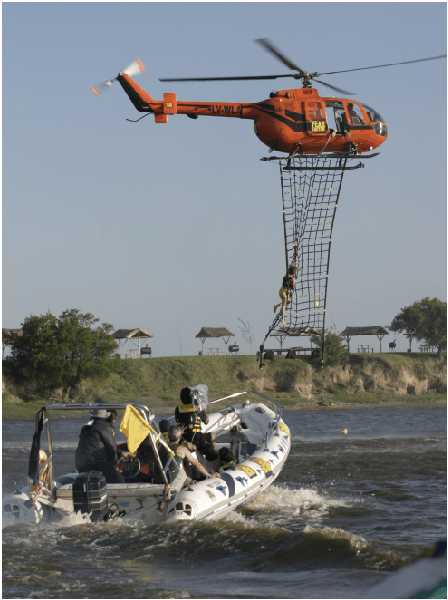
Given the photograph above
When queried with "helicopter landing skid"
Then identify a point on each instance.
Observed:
(332, 155)
(341, 167)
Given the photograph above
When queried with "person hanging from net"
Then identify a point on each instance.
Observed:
(289, 283)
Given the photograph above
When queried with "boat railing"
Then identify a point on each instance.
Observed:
(106, 406)
(276, 408)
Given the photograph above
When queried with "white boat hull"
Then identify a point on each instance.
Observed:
(266, 433)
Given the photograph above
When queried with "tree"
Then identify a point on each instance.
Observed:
(424, 320)
(406, 322)
(334, 350)
(58, 352)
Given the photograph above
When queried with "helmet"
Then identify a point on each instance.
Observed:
(186, 396)
(174, 433)
(164, 426)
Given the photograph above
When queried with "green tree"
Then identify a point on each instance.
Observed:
(424, 320)
(406, 322)
(335, 352)
(35, 359)
(58, 352)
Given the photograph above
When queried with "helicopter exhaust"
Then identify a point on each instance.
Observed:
(135, 68)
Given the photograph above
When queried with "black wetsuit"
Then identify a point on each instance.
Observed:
(97, 450)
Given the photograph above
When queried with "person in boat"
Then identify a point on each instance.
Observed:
(288, 283)
(164, 425)
(189, 416)
(183, 450)
(226, 459)
(97, 449)
(149, 469)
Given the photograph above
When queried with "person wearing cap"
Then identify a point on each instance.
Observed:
(183, 450)
(97, 449)
(189, 416)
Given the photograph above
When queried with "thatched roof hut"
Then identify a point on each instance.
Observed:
(214, 332)
(377, 330)
(128, 334)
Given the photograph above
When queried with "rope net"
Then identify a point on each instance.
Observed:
(311, 188)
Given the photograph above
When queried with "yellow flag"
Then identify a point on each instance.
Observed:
(134, 427)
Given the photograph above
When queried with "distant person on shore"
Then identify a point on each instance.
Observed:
(97, 449)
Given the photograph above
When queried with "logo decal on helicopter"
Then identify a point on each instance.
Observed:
(318, 126)
(228, 109)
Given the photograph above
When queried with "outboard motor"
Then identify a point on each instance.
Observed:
(90, 495)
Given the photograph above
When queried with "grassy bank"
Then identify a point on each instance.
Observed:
(364, 380)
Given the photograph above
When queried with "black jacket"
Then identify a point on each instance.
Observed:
(97, 446)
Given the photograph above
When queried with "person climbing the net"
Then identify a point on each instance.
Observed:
(289, 283)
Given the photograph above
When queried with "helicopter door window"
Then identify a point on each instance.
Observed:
(355, 114)
(336, 118)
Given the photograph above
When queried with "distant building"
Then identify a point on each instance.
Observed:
(377, 330)
(130, 342)
(206, 333)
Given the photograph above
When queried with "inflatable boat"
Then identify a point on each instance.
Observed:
(254, 432)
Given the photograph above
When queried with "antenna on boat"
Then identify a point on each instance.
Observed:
(227, 397)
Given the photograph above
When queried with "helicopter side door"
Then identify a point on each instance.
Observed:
(315, 117)
(336, 116)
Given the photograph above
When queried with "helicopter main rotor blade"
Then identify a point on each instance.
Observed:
(269, 46)
(404, 62)
(230, 78)
(333, 87)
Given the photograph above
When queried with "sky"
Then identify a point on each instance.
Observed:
(178, 226)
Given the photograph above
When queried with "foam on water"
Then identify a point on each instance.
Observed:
(26, 514)
(356, 542)
(294, 502)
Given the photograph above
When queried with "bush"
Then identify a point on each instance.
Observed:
(335, 353)
(55, 353)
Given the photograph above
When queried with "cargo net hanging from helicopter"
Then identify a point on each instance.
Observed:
(311, 187)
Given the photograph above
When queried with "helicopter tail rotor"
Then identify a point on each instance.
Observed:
(99, 88)
(135, 68)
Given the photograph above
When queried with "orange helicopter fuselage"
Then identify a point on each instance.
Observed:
(291, 120)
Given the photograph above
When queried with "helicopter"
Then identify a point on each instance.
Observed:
(294, 121)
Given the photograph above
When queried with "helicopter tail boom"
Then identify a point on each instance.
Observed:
(169, 105)
(139, 97)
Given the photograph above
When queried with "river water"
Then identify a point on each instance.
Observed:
(347, 509)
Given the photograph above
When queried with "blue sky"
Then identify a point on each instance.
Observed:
(172, 227)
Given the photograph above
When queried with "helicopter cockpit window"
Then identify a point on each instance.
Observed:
(373, 114)
(355, 114)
